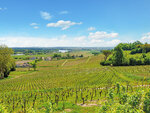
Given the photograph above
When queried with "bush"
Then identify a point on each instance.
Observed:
(139, 62)
(147, 61)
(106, 63)
(125, 62)
(132, 61)
(102, 63)
(137, 50)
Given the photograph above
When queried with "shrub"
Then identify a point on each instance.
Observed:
(125, 62)
(102, 63)
(137, 50)
(132, 61)
(147, 61)
(106, 63)
(139, 62)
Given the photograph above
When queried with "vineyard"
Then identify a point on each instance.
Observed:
(74, 85)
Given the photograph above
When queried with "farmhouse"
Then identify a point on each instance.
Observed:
(48, 59)
(23, 64)
(33, 58)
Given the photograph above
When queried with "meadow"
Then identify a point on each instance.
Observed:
(78, 85)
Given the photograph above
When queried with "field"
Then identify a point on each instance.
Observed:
(24, 57)
(68, 85)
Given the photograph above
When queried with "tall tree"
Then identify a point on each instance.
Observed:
(34, 64)
(6, 61)
(106, 53)
(118, 56)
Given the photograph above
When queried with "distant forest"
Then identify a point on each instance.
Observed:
(45, 50)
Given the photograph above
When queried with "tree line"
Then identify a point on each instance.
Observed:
(67, 56)
(119, 59)
(136, 47)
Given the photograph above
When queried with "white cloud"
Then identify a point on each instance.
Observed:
(99, 39)
(33, 24)
(96, 41)
(113, 42)
(63, 24)
(103, 43)
(60, 41)
(64, 12)
(2, 9)
(36, 27)
(102, 35)
(91, 28)
(45, 15)
(146, 38)
(64, 40)
(80, 39)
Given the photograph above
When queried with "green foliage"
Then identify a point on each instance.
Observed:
(118, 56)
(49, 108)
(67, 56)
(127, 103)
(34, 64)
(146, 106)
(123, 98)
(33, 51)
(56, 55)
(7, 63)
(106, 63)
(95, 53)
(145, 48)
(132, 61)
(135, 100)
(67, 86)
(136, 50)
(118, 88)
(2, 109)
(105, 108)
(106, 53)
(121, 58)
(111, 94)
(130, 46)
(147, 61)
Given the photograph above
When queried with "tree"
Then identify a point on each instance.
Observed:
(118, 56)
(106, 53)
(34, 64)
(7, 63)
(95, 53)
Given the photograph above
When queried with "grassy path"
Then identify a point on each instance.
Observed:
(64, 63)
(88, 59)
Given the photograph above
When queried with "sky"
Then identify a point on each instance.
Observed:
(73, 23)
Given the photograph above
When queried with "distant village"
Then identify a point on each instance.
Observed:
(25, 63)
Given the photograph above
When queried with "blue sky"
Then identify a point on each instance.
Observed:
(51, 23)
